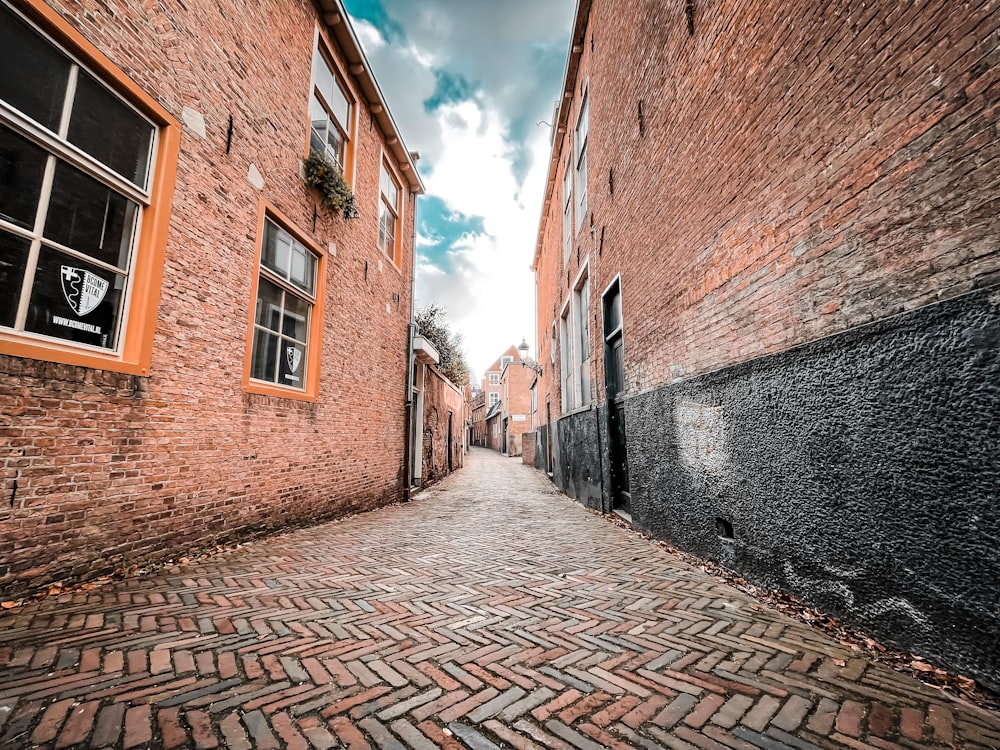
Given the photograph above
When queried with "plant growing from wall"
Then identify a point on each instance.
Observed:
(326, 177)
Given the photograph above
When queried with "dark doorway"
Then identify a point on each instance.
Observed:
(451, 466)
(614, 380)
(549, 437)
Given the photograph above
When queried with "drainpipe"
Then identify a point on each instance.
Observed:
(411, 332)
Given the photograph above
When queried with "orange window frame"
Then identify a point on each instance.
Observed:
(311, 391)
(323, 46)
(396, 256)
(135, 351)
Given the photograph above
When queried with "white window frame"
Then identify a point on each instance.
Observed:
(580, 153)
(494, 378)
(581, 338)
(494, 398)
(344, 128)
(567, 189)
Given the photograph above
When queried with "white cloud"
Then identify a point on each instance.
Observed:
(486, 157)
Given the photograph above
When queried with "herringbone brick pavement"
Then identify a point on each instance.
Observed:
(491, 612)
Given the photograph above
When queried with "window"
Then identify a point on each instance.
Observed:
(388, 215)
(285, 329)
(494, 378)
(565, 360)
(329, 113)
(504, 361)
(582, 130)
(86, 174)
(575, 346)
(567, 209)
(494, 398)
(581, 305)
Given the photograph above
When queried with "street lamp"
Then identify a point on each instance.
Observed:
(525, 362)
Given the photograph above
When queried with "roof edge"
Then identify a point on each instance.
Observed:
(337, 20)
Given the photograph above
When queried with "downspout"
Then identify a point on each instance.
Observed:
(410, 362)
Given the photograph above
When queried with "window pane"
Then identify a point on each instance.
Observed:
(89, 217)
(110, 131)
(292, 363)
(329, 89)
(295, 323)
(269, 305)
(13, 257)
(74, 300)
(265, 356)
(33, 74)
(277, 249)
(302, 268)
(22, 165)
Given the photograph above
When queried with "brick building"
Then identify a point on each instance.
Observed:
(477, 418)
(443, 427)
(191, 344)
(506, 393)
(768, 303)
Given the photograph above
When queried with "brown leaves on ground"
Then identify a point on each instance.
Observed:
(123, 571)
(855, 639)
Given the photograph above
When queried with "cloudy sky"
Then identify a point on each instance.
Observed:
(467, 81)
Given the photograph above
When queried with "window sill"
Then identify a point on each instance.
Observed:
(269, 389)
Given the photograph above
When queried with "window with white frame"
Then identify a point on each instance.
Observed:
(494, 398)
(76, 163)
(581, 330)
(567, 196)
(388, 214)
(566, 360)
(505, 360)
(286, 294)
(580, 143)
(494, 378)
(329, 113)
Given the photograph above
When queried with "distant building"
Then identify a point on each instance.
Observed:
(768, 300)
(507, 398)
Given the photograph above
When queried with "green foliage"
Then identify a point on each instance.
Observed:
(432, 323)
(327, 178)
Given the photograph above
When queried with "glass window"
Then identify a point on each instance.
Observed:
(329, 113)
(286, 294)
(494, 378)
(68, 223)
(388, 214)
(494, 398)
(567, 209)
(582, 131)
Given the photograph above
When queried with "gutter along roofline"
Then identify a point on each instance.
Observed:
(576, 41)
(336, 18)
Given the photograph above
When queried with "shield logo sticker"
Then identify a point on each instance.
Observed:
(294, 357)
(82, 289)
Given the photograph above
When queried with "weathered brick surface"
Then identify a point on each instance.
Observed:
(444, 426)
(788, 171)
(457, 620)
(112, 468)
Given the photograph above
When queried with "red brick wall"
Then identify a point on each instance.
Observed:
(528, 448)
(441, 399)
(109, 465)
(798, 169)
(515, 387)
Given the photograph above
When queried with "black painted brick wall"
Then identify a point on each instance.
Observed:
(860, 472)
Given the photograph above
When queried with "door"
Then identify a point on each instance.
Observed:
(614, 380)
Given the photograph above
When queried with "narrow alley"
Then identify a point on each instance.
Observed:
(491, 611)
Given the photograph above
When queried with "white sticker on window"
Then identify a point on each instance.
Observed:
(294, 357)
(83, 290)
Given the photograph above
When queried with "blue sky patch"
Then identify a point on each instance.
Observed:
(373, 12)
(445, 228)
(449, 88)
